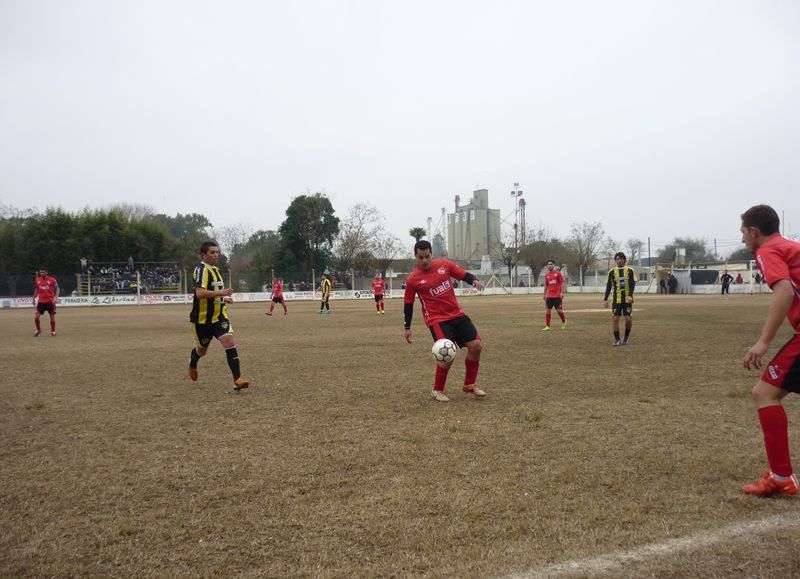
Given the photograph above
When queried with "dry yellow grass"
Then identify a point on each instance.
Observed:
(336, 464)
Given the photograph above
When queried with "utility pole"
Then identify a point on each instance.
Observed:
(715, 248)
(516, 193)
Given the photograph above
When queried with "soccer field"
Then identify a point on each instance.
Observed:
(336, 463)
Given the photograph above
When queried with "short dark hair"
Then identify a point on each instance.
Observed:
(762, 217)
(206, 245)
(620, 254)
(550, 261)
(422, 245)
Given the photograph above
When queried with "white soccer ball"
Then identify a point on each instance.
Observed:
(444, 350)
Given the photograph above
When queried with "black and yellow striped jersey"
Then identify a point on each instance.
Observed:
(621, 283)
(211, 310)
(325, 287)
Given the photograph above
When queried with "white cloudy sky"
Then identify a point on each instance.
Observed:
(656, 118)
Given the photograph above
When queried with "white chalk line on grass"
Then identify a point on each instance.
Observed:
(595, 311)
(615, 561)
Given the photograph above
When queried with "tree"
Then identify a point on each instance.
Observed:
(187, 231)
(357, 232)
(308, 231)
(14, 257)
(696, 250)
(586, 240)
(609, 248)
(133, 211)
(386, 248)
(634, 247)
(232, 237)
(256, 259)
(741, 254)
(417, 233)
(543, 245)
(506, 252)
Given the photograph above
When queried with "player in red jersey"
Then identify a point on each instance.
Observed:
(778, 261)
(378, 288)
(443, 315)
(45, 296)
(277, 296)
(553, 295)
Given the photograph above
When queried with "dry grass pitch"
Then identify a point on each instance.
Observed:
(335, 463)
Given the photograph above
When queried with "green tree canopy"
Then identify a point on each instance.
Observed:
(696, 250)
(417, 233)
(308, 232)
(741, 254)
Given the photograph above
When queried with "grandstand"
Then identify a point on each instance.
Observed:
(115, 278)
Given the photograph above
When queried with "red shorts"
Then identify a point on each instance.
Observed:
(783, 371)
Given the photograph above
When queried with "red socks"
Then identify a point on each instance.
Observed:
(471, 377)
(547, 318)
(561, 315)
(38, 325)
(52, 324)
(441, 378)
(776, 439)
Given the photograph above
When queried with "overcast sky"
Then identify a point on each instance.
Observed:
(657, 119)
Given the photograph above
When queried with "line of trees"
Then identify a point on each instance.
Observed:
(311, 237)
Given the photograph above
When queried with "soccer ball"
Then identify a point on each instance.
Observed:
(444, 350)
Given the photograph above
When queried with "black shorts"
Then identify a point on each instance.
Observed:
(460, 330)
(553, 303)
(276, 300)
(622, 309)
(49, 308)
(204, 332)
(378, 298)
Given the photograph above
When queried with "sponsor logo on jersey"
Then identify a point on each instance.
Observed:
(441, 288)
(774, 371)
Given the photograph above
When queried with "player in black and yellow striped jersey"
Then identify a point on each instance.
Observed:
(621, 283)
(209, 314)
(325, 288)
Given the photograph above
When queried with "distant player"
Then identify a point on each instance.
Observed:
(778, 260)
(378, 289)
(621, 283)
(726, 279)
(325, 288)
(553, 295)
(45, 297)
(443, 315)
(277, 296)
(210, 316)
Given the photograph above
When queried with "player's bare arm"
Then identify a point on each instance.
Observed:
(783, 294)
(204, 294)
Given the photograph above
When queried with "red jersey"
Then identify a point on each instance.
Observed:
(777, 259)
(378, 287)
(553, 281)
(46, 289)
(277, 289)
(435, 291)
